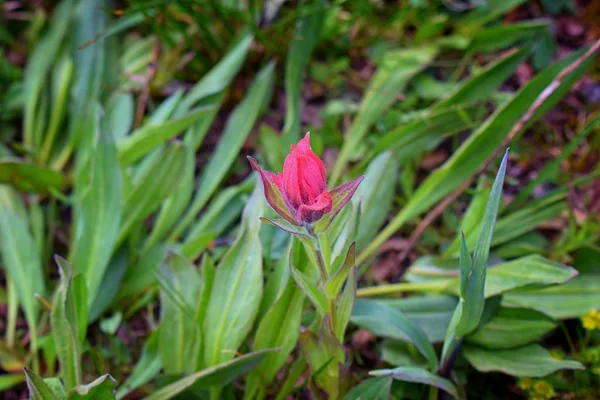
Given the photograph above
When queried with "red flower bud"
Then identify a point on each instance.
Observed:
(299, 194)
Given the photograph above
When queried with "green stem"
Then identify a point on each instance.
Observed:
(435, 286)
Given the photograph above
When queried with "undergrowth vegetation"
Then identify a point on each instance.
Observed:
(435, 236)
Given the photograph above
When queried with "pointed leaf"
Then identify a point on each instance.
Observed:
(335, 283)
(38, 389)
(419, 375)
(216, 376)
(340, 196)
(102, 388)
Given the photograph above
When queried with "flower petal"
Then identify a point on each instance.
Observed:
(314, 212)
(274, 194)
(341, 195)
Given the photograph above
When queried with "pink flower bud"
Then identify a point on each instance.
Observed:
(299, 194)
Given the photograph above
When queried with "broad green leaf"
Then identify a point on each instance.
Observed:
(120, 111)
(409, 140)
(371, 389)
(506, 35)
(323, 353)
(40, 62)
(397, 68)
(531, 360)
(511, 328)
(430, 313)
(279, 328)
(147, 138)
(22, 261)
(221, 207)
(219, 77)
(345, 304)
(310, 289)
(237, 289)
(571, 300)
(418, 375)
(473, 272)
(64, 323)
(530, 270)
(384, 320)
(98, 215)
(102, 388)
(306, 36)
(374, 196)
(216, 376)
(38, 389)
(482, 85)
(334, 285)
(109, 288)
(178, 332)
(175, 204)
(8, 381)
(61, 77)
(479, 146)
(237, 129)
(490, 10)
(29, 177)
(155, 185)
(146, 368)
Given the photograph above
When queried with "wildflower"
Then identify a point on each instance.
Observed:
(542, 390)
(525, 383)
(591, 320)
(299, 194)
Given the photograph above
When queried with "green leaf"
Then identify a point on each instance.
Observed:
(384, 320)
(479, 146)
(531, 360)
(334, 285)
(424, 132)
(371, 389)
(512, 328)
(30, 177)
(98, 215)
(323, 353)
(374, 196)
(64, 323)
(38, 389)
(430, 313)
(308, 32)
(345, 305)
(146, 368)
(525, 271)
(238, 127)
(8, 381)
(571, 300)
(419, 375)
(102, 388)
(397, 69)
(482, 85)
(21, 258)
(220, 76)
(175, 204)
(178, 332)
(310, 289)
(151, 190)
(279, 328)
(506, 35)
(473, 272)
(237, 289)
(150, 136)
(109, 288)
(120, 111)
(216, 376)
(46, 51)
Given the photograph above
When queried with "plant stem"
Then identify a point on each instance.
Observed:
(436, 286)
